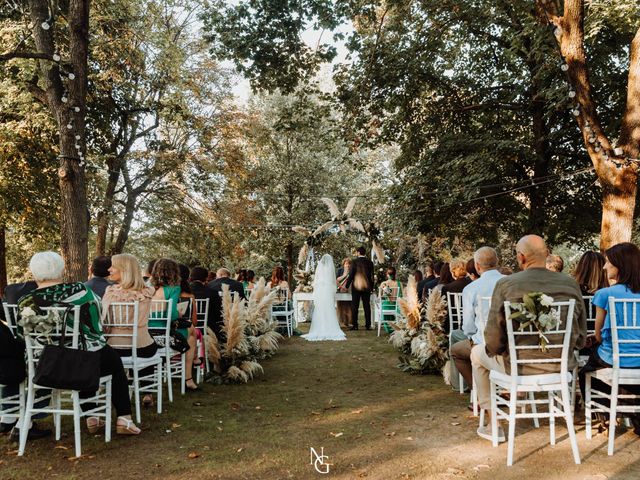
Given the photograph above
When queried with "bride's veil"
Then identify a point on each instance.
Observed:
(324, 283)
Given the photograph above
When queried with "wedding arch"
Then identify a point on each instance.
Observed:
(340, 222)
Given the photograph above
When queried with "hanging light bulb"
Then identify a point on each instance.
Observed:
(69, 126)
(45, 25)
(76, 109)
(575, 112)
(618, 151)
(77, 137)
(572, 94)
(56, 57)
(64, 99)
(71, 76)
(564, 67)
(592, 139)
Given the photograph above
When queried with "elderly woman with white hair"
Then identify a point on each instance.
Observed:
(47, 269)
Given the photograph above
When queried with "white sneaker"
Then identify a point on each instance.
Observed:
(485, 432)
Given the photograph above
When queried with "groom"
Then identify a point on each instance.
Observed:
(361, 281)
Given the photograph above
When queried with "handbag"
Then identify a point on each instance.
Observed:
(68, 368)
(12, 364)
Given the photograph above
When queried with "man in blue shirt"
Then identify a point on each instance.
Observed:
(486, 263)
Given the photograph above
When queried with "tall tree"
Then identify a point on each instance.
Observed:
(617, 175)
(58, 41)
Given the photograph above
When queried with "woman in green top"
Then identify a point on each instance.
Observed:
(165, 277)
(390, 291)
(47, 269)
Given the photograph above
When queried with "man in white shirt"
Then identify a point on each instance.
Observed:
(486, 262)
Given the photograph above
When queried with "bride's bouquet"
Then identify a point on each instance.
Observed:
(419, 334)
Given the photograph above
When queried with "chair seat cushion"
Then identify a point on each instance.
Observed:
(547, 381)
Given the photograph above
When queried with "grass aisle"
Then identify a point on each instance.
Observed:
(372, 420)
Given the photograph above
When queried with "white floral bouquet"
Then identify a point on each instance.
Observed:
(41, 325)
(535, 311)
(304, 280)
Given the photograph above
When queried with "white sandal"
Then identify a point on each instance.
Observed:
(129, 428)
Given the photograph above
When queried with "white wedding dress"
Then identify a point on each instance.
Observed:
(324, 322)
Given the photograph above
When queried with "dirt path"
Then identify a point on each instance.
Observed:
(372, 420)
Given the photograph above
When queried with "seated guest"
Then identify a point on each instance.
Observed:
(147, 274)
(241, 275)
(99, 271)
(431, 284)
(458, 269)
(250, 280)
(590, 273)
(211, 277)
(166, 279)
(531, 252)
(344, 307)
(190, 314)
(623, 271)
(418, 276)
(554, 263)
(200, 289)
(277, 279)
(47, 269)
(486, 264)
(427, 277)
(12, 294)
(128, 286)
(445, 277)
(472, 273)
(222, 278)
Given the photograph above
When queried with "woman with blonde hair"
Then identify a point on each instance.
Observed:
(129, 286)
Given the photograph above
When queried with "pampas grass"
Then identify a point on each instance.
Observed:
(418, 334)
(249, 334)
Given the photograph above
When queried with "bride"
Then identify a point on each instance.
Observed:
(324, 322)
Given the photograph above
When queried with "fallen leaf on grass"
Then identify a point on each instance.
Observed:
(355, 412)
(234, 406)
(175, 425)
(390, 434)
(193, 455)
(197, 404)
(313, 412)
(258, 407)
(336, 435)
(455, 471)
(12, 452)
(61, 447)
(239, 450)
(455, 424)
(478, 467)
(277, 415)
(409, 438)
(410, 390)
(219, 428)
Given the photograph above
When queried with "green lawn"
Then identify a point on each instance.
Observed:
(348, 397)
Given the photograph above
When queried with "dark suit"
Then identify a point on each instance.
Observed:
(14, 291)
(420, 287)
(215, 318)
(98, 285)
(430, 285)
(361, 282)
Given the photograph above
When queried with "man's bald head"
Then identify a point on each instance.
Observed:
(485, 258)
(532, 252)
(223, 273)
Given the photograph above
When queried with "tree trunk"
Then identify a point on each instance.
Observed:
(105, 213)
(74, 223)
(125, 226)
(3, 259)
(617, 178)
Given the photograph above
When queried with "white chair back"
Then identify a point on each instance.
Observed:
(390, 295)
(591, 313)
(11, 315)
(625, 329)
(160, 313)
(524, 346)
(482, 313)
(282, 300)
(202, 313)
(124, 317)
(454, 309)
